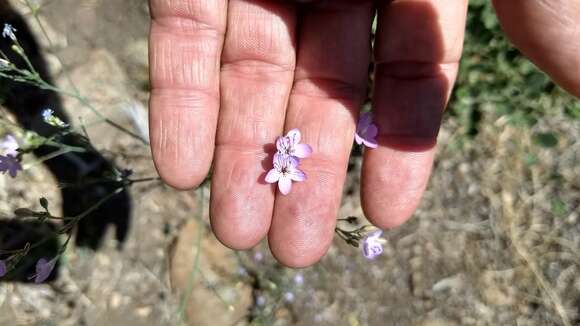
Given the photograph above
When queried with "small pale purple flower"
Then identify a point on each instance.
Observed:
(284, 172)
(366, 131)
(8, 32)
(260, 301)
(51, 119)
(258, 256)
(44, 269)
(3, 268)
(290, 145)
(8, 145)
(298, 279)
(289, 297)
(10, 164)
(372, 245)
(242, 271)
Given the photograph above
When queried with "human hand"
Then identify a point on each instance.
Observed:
(228, 77)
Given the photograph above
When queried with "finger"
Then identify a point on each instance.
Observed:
(186, 39)
(257, 68)
(330, 85)
(417, 51)
(547, 32)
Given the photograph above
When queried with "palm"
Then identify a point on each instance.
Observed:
(229, 77)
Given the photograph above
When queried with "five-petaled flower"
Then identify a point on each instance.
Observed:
(51, 119)
(10, 164)
(290, 145)
(3, 268)
(372, 245)
(366, 131)
(43, 269)
(8, 145)
(284, 172)
(8, 31)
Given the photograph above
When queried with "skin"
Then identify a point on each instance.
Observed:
(228, 77)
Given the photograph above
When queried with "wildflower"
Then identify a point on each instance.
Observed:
(258, 256)
(43, 269)
(298, 279)
(284, 172)
(3, 268)
(373, 245)
(8, 31)
(8, 145)
(53, 120)
(288, 296)
(260, 301)
(290, 145)
(10, 164)
(366, 131)
(242, 271)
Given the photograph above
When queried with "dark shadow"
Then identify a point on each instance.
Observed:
(267, 163)
(14, 235)
(75, 172)
(410, 88)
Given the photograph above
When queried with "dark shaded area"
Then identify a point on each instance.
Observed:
(75, 172)
(14, 235)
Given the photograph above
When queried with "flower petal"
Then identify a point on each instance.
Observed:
(358, 139)
(302, 150)
(273, 176)
(43, 269)
(3, 268)
(279, 161)
(364, 120)
(292, 162)
(375, 234)
(371, 143)
(371, 132)
(297, 175)
(285, 185)
(294, 135)
(281, 144)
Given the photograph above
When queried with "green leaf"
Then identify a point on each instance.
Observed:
(559, 207)
(547, 139)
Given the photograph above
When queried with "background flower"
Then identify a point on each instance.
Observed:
(366, 131)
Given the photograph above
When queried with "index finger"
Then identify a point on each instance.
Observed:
(186, 40)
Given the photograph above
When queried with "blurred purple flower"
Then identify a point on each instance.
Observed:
(242, 271)
(10, 164)
(8, 145)
(260, 300)
(8, 32)
(284, 172)
(3, 268)
(288, 296)
(372, 245)
(43, 269)
(258, 256)
(290, 145)
(366, 131)
(298, 279)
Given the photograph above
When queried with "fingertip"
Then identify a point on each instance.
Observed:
(182, 129)
(393, 183)
(298, 252)
(180, 177)
(236, 230)
(389, 215)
